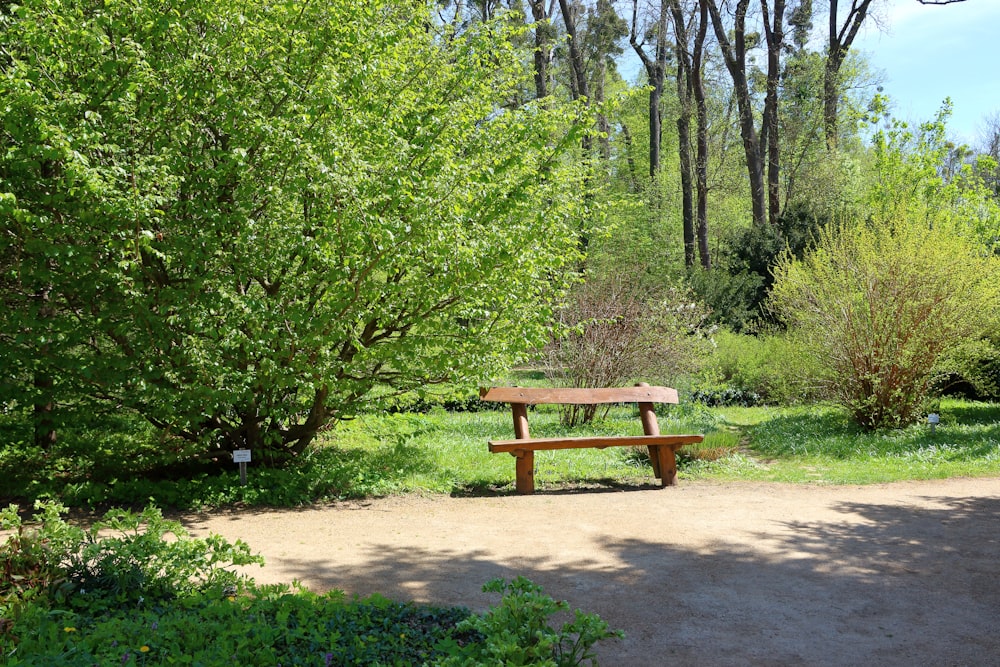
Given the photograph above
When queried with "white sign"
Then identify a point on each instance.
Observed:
(241, 456)
(932, 418)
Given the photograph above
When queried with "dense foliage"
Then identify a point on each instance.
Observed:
(137, 589)
(238, 219)
(879, 302)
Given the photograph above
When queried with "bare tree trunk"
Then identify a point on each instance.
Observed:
(579, 72)
(774, 33)
(684, 129)
(579, 89)
(543, 46)
(701, 159)
(656, 71)
(839, 43)
(734, 53)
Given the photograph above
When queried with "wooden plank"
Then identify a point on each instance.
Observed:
(576, 396)
(599, 442)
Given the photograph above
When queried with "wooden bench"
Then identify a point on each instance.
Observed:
(523, 448)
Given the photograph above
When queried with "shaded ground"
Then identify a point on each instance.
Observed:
(699, 574)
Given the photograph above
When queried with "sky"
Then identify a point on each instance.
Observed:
(928, 53)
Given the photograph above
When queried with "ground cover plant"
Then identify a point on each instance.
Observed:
(137, 589)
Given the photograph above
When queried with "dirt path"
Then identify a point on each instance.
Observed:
(699, 574)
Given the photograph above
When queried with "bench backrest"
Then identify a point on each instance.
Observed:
(575, 396)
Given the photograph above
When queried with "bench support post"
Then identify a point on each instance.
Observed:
(661, 458)
(524, 480)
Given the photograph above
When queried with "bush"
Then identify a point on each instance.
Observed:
(617, 329)
(878, 304)
(751, 370)
(123, 559)
(971, 370)
(517, 632)
(737, 292)
(133, 589)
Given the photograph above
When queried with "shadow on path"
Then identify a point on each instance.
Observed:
(887, 584)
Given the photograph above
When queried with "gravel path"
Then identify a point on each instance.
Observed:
(698, 574)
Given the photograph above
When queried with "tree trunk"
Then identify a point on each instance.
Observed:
(701, 159)
(579, 72)
(656, 71)
(774, 33)
(734, 54)
(684, 130)
(43, 424)
(543, 47)
(839, 43)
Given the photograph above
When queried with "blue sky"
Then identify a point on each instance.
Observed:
(927, 53)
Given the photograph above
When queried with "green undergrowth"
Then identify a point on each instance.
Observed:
(136, 589)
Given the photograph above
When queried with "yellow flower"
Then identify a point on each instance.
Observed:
(231, 598)
(69, 629)
(143, 649)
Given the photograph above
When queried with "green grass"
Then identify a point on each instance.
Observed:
(818, 444)
(446, 452)
(815, 444)
(119, 461)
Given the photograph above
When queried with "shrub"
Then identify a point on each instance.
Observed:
(879, 303)
(135, 588)
(971, 370)
(750, 370)
(616, 329)
(737, 292)
(123, 559)
(517, 632)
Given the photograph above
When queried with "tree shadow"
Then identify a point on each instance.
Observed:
(889, 584)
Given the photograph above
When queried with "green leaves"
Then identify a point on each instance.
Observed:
(242, 218)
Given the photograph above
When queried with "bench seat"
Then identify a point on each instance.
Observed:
(598, 442)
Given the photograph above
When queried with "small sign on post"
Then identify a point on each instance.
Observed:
(933, 419)
(242, 456)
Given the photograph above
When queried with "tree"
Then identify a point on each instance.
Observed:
(246, 217)
(840, 37)
(774, 34)
(656, 69)
(839, 40)
(685, 91)
(541, 12)
(734, 52)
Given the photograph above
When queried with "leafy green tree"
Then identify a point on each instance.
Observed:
(237, 219)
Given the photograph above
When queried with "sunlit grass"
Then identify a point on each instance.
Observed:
(121, 461)
(818, 444)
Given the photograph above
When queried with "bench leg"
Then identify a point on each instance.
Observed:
(654, 460)
(525, 466)
(664, 464)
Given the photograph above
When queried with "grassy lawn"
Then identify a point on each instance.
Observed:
(445, 452)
